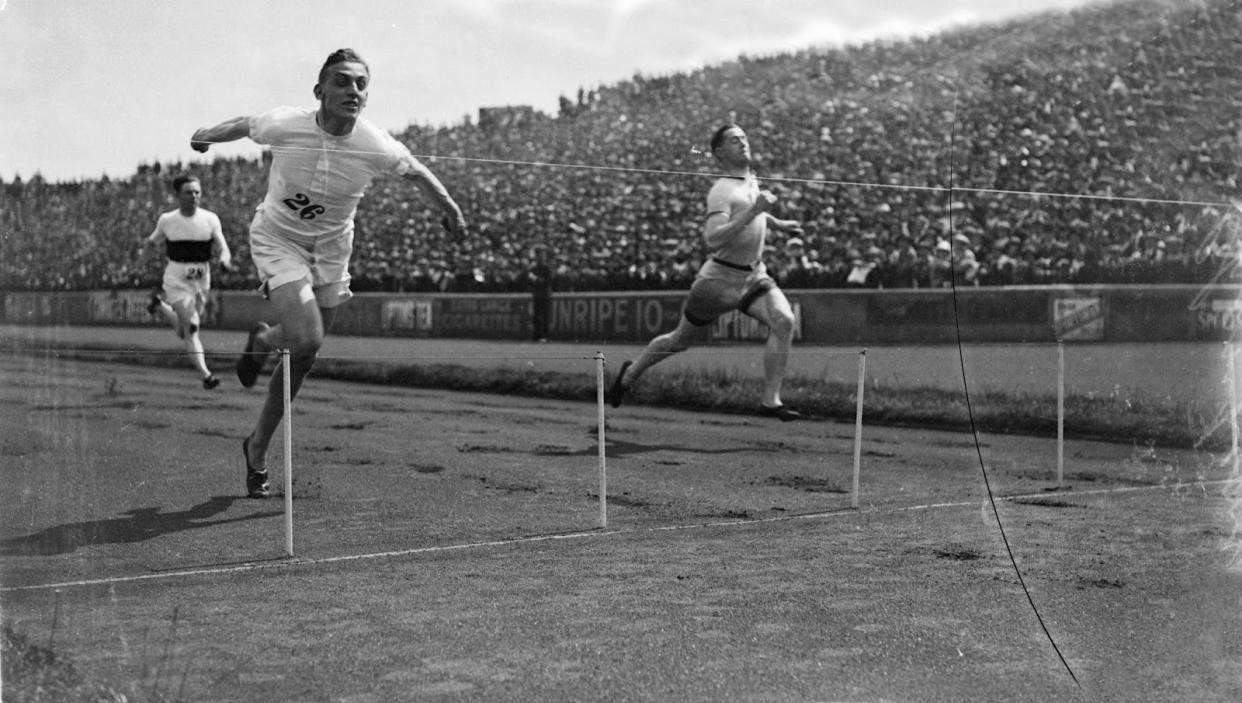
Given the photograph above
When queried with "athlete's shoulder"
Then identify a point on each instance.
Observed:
(377, 144)
(161, 224)
(284, 113)
(723, 187)
(366, 129)
(281, 121)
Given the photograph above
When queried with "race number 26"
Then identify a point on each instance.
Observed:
(302, 205)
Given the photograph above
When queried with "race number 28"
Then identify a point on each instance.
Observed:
(302, 205)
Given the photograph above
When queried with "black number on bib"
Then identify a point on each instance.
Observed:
(302, 205)
(194, 273)
(309, 212)
(298, 201)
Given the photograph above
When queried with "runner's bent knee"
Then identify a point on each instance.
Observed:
(303, 340)
(782, 324)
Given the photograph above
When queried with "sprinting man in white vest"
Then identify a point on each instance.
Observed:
(733, 276)
(301, 237)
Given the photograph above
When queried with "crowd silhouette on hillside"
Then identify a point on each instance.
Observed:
(1042, 151)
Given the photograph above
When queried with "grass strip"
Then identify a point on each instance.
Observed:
(1124, 416)
(33, 672)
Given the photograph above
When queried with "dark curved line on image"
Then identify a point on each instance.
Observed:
(970, 413)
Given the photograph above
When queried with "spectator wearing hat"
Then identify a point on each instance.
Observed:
(799, 271)
(442, 276)
(1112, 256)
(649, 275)
(901, 270)
(1088, 268)
(925, 255)
(940, 267)
(816, 267)
(1035, 269)
(539, 280)
(680, 271)
(1151, 248)
(1176, 263)
(835, 269)
(421, 280)
(1004, 271)
(965, 267)
(866, 269)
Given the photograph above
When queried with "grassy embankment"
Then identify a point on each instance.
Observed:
(1130, 417)
(1126, 415)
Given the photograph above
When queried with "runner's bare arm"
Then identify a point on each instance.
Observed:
(226, 131)
(434, 189)
(787, 226)
(150, 243)
(720, 228)
(221, 248)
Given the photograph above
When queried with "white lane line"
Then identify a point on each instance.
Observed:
(581, 534)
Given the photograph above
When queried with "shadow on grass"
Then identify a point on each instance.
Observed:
(139, 525)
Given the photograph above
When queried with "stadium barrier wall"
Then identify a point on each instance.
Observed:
(1033, 314)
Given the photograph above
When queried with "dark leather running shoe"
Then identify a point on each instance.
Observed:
(783, 412)
(256, 480)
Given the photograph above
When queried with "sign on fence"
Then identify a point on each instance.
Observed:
(1078, 319)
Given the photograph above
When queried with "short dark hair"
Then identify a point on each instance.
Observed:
(182, 180)
(718, 136)
(337, 57)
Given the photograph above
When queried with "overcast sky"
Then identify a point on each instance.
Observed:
(99, 86)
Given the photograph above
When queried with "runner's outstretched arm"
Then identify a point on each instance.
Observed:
(220, 248)
(226, 131)
(434, 189)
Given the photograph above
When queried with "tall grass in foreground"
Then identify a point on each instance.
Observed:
(33, 672)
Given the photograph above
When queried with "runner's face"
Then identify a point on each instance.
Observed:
(734, 149)
(343, 91)
(189, 195)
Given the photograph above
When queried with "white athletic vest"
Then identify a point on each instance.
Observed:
(317, 179)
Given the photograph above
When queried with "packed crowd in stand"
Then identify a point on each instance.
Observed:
(1047, 150)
